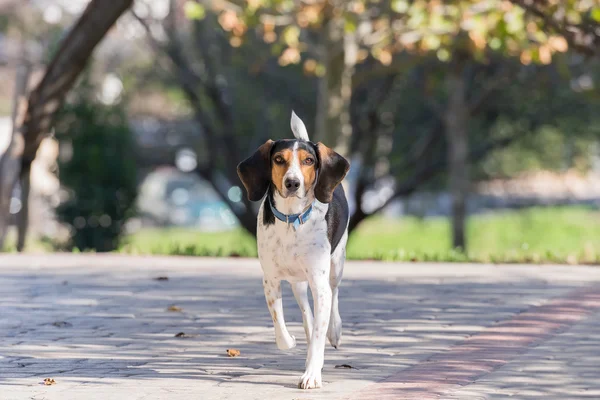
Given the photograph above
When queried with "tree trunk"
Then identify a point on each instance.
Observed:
(456, 129)
(337, 53)
(34, 116)
(10, 161)
(65, 67)
(23, 215)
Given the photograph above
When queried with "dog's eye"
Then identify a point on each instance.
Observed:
(309, 161)
(279, 160)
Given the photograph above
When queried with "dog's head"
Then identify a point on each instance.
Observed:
(293, 167)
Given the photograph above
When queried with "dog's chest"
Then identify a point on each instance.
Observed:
(289, 254)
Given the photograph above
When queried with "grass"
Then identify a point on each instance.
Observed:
(536, 235)
(187, 242)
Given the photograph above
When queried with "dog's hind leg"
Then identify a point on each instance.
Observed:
(284, 340)
(300, 290)
(334, 331)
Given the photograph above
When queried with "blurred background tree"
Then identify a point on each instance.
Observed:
(461, 49)
(97, 171)
(33, 112)
(442, 107)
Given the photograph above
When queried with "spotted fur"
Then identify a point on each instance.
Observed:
(311, 256)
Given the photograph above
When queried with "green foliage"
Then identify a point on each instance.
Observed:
(100, 176)
(194, 10)
(417, 26)
(561, 152)
(536, 235)
(556, 128)
(557, 234)
(4, 23)
(180, 241)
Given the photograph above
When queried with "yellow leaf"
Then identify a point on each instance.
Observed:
(431, 42)
(357, 7)
(310, 66)
(349, 26)
(362, 55)
(320, 71)
(269, 37)
(228, 20)
(495, 43)
(289, 56)
(235, 42)
(194, 10)
(443, 55)
(478, 39)
(268, 26)
(254, 4)
(385, 57)
(233, 352)
(291, 35)
(240, 28)
(400, 6)
(175, 309)
(558, 43)
(545, 55)
(506, 5)
(310, 13)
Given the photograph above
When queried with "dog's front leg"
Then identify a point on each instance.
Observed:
(284, 340)
(319, 285)
(300, 290)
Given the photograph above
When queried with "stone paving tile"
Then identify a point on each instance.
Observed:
(99, 325)
(566, 366)
(485, 352)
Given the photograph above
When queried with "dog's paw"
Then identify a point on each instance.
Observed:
(310, 380)
(285, 343)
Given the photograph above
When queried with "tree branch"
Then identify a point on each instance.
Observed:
(379, 70)
(497, 81)
(425, 173)
(188, 82)
(65, 67)
(568, 31)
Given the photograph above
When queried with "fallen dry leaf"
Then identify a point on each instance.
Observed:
(233, 352)
(347, 366)
(62, 324)
(161, 278)
(184, 335)
(175, 309)
(49, 381)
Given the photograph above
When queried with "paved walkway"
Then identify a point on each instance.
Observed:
(100, 326)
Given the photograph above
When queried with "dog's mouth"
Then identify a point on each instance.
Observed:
(292, 195)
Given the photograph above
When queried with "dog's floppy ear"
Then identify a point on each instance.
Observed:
(332, 170)
(255, 171)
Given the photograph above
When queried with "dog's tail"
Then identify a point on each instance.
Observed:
(298, 128)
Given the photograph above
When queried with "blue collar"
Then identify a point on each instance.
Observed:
(295, 219)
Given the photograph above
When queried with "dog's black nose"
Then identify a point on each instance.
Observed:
(292, 184)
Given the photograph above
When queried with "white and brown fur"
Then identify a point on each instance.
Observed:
(293, 173)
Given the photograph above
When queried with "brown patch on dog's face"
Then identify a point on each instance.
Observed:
(294, 166)
(280, 163)
(308, 167)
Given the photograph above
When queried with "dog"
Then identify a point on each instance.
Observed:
(302, 230)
